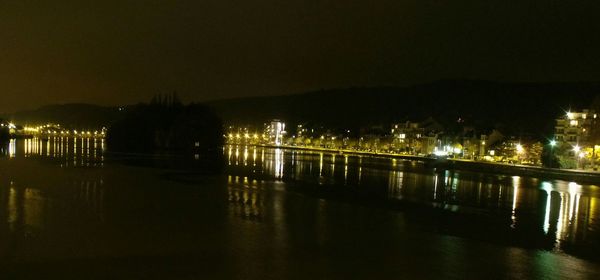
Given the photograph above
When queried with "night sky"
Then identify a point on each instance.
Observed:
(116, 52)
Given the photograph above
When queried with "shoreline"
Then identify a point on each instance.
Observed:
(583, 176)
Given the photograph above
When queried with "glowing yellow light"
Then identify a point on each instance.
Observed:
(519, 148)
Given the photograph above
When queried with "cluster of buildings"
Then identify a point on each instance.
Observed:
(575, 143)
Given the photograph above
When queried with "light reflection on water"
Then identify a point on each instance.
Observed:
(256, 186)
(565, 212)
(69, 151)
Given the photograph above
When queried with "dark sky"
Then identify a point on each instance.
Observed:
(114, 52)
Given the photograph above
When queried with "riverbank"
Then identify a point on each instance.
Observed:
(582, 176)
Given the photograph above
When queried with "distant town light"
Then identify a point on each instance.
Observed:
(553, 143)
(576, 149)
(569, 115)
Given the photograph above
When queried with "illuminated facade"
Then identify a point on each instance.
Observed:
(416, 137)
(575, 128)
(275, 131)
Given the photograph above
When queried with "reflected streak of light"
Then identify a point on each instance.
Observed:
(320, 164)
(88, 150)
(333, 165)
(479, 192)
(12, 148)
(245, 155)
(435, 185)
(345, 169)
(359, 169)
(254, 157)
(359, 174)
(561, 221)
(27, 144)
(278, 163)
(573, 200)
(229, 156)
(54, 145)
(548, 188)
(237, 155)
(395, 183)
(513, 217)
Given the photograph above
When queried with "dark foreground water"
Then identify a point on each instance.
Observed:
(67, 211)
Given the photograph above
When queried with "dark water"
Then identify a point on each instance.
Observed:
(67, 211)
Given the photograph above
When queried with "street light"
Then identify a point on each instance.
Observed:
(576, 149)
(553, 143)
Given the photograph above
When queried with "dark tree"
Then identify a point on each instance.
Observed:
(549, 158)
(163, 125)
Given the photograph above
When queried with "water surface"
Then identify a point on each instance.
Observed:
(69, 210)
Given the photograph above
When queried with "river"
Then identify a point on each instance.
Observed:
(70, 210)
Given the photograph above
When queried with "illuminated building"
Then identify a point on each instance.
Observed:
(275, 131)
(416, 137)
(575, 128)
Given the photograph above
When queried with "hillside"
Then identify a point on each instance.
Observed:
(524, 108)
(516, 108)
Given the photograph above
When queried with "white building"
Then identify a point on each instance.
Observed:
(575, 127)
(275, 131)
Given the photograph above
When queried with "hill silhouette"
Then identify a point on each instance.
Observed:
(517, 108)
